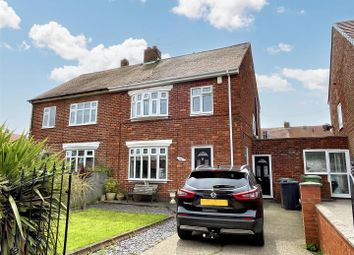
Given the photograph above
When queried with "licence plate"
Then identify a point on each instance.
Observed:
(214, 202)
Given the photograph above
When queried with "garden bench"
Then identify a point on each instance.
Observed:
(144, 190)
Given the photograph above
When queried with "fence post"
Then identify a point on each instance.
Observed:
(352, 192)
(67, 211)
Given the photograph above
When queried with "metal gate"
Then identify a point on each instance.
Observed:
(45, 195)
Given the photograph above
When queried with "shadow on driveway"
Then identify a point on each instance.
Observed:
(283, 235)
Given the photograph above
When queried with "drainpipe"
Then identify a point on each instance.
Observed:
(230, 119)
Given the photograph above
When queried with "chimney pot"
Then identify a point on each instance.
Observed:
(152, 54)
(124, 62)
(286, 124)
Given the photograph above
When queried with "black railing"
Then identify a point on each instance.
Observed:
(352, 191)
(43, 198)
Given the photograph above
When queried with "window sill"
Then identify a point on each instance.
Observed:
(201, 114)
(316, 173)
(147, 180)
(86, 124)
(146, 118)
(48, 127)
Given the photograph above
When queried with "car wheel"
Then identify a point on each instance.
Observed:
(184, 234)
(258, 239)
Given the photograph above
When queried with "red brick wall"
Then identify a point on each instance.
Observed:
(342, 85)
(287, 157)
(310, 196)
(114, 127)
(331, 242)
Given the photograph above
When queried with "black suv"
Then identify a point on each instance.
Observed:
(223, 200)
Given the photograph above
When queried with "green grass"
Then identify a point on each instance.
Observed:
(93, 225)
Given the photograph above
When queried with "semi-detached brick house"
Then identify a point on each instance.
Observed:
(158, 120)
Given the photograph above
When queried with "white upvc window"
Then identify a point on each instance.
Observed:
(150, 102)
(148, 163)
(84, 113)
(340, 116)
(49, 114)
(201, 100)
(148, 160)
(80, 159)
(335, 163)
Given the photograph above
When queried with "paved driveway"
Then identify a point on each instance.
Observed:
(283, 235)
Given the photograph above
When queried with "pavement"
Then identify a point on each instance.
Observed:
(283, 230)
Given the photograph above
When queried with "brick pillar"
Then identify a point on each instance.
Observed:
(310, 196)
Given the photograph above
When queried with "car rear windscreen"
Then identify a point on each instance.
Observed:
(222, 179)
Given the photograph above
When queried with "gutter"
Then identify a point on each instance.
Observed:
(230, 119)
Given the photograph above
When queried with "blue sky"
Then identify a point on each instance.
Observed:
(43, 43)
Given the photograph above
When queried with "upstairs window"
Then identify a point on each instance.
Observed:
(49, 117)
(151, 103)
(83, 113)
(202, 100)
(340, 116)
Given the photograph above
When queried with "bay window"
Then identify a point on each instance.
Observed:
(150, 103)
(148, 160)
(148, 163)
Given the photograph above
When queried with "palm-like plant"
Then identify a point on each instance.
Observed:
(29, 203)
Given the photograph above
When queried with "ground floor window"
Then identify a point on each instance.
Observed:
(333, 163)
(148, 163)
(80, 159)
(202, 156)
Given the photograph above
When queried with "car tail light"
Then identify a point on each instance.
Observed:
(252, 194)
(183, 193)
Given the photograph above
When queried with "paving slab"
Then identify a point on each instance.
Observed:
(284, 234)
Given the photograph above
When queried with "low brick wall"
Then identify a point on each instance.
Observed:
(331, 240)
(321, 227)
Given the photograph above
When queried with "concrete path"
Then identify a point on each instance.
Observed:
(283, 235)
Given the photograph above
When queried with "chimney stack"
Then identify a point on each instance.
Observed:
(286, 124)
(124, 62)
(152, 54)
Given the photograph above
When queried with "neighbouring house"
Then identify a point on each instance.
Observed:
(288, 131)
(341, 83)
(158, 120)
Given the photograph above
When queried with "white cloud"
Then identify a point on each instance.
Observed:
(280, 9)
(312, 79)
(302, 12)
(281, 47)
(24, 46)
(273, 82)
(59, 39)
(227, 14)
(8, 17)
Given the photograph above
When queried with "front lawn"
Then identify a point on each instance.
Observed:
(93, 225)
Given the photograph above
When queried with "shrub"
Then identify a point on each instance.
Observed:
(18, 214)
(110, 186)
